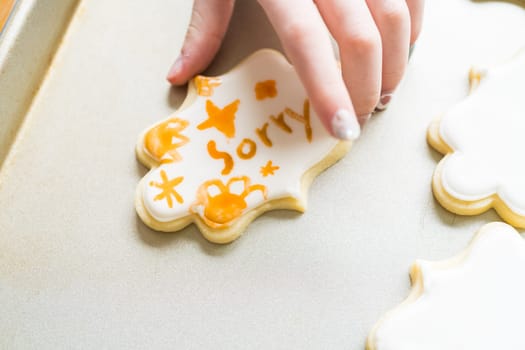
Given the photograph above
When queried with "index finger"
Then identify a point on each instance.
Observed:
(307, 43)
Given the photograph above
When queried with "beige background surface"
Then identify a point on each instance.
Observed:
(79, 270)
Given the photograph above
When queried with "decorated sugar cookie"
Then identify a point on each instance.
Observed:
(474, 301)
(483, 140)
(241, 144)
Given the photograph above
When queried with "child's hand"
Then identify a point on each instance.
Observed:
(373, 36)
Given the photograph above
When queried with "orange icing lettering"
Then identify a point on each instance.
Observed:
(162, 141)
(252, 148)
(281, 123)
(167, 188)
(221, 119)
(269, 169)
(220, 209)
(215, 154)
(305, 118)
(205, 85)
(263, 134)
(265, 89)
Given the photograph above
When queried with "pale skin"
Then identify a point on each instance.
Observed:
(374, 37)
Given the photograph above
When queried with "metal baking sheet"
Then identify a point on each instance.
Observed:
(78, 269)
(27, 43)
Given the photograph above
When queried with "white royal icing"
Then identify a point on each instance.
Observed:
(476, 304)
(487, 133)
(291, 152)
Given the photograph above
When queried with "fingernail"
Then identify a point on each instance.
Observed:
(175, 68)
(345, 125)
(384, 100)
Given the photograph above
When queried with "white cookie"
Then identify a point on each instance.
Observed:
(474, 301)
(241, 144)
(483, 140)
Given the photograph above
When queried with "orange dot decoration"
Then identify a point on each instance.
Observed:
(265, 89)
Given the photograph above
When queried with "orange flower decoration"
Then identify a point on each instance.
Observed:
(219, 204)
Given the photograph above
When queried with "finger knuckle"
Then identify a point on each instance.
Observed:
(297, 32)
(363, 44)
(394, 15)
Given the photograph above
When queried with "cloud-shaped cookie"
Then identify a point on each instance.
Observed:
(241, 144)
(483, 139)
(474, 301)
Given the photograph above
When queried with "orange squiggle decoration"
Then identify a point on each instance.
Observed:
(216, 154)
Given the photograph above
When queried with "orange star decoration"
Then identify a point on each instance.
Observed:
(168, 189)
(269, 169)
(205, 85)
(221, 119)
(265, 89)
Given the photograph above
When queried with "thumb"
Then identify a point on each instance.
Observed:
(209, 21)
